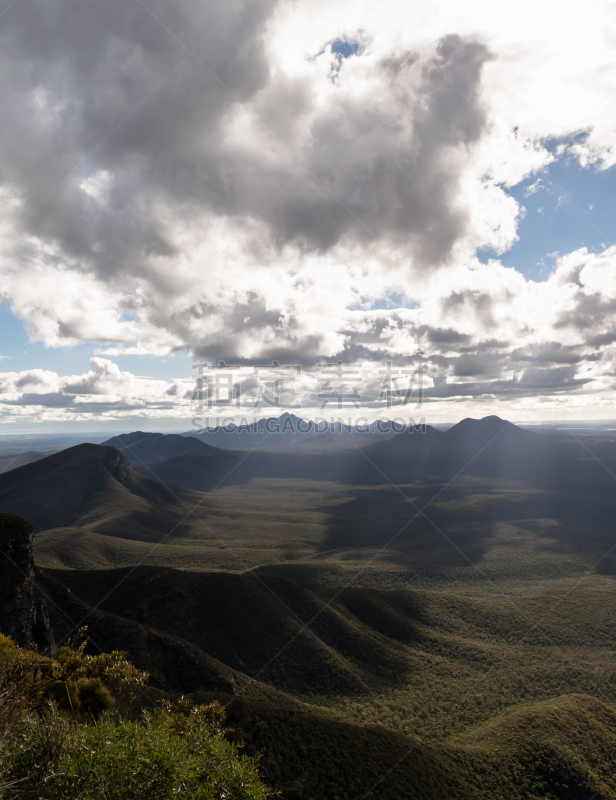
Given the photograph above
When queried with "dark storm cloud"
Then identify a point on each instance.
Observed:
(531, 383)
(107, 87)
(446, 336)
(29, 379)
(589, 310)
(386, 172)
(554, 353)
(474, 364)
(550, 379)
(254, 314)
(302, 353)
(474, 304)
(603, 339)
(47, 399)
(104, 87)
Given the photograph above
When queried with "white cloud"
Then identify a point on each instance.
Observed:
(253, 208)
(483, 334)
(534, 188)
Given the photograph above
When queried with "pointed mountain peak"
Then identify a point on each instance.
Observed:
(292, 417)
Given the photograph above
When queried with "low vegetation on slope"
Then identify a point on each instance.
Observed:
(71, 729)
(561, 750)
(410, 693)
(74, 727)
(89, 486)
(362, 649)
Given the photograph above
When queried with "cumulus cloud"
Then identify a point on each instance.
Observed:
(259, 184)
(127, 128)
(104, 389)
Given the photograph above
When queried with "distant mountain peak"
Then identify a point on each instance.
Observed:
(489, 427)
(293, 417)
(484, 422)
(489, 420)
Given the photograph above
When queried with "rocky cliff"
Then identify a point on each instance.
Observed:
(23, 617)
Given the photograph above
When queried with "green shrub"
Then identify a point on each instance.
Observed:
(94, 697)
(120, 677)
(65, 696)
(58, 741)
(84, 700)
(150, 758)
(24, 678)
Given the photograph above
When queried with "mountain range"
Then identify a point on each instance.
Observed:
(134, 476)
(354, 598)
(106, 503)
(88, 486)
(285, 429)
(490, 447)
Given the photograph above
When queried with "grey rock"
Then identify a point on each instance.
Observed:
(22, 617)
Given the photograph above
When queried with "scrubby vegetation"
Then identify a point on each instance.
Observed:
(410, 693)
(104, 740)
(79, 727)
(484, 670)
(564, 749)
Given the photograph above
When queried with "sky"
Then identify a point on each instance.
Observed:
(374, 197)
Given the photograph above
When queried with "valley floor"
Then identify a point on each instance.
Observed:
(424, 638)
(402, 692)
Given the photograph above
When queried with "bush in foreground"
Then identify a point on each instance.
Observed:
(146, 758)
(86, 749)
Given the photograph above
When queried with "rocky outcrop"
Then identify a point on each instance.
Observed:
(22, 617)
(118, 466)
(42, 633)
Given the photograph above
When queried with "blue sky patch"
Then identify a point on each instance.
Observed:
(21, 354)
(391, 301)
(567, 207)
(342, 49)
